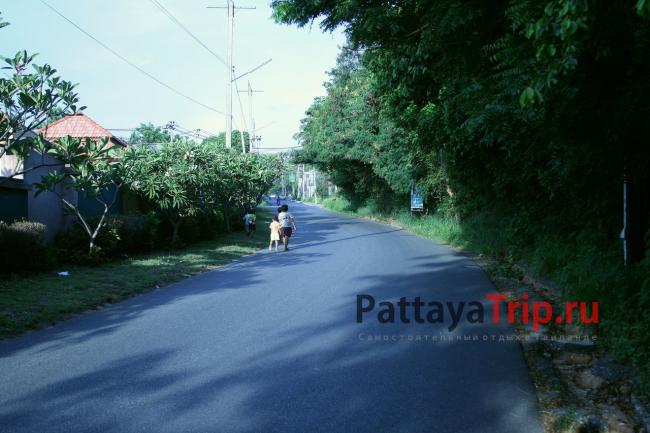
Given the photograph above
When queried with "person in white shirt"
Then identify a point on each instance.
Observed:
(287, 225)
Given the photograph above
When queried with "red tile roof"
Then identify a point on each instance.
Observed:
(77, 125)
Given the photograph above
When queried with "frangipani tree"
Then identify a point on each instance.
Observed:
(172, 177)
(30, 96)
(91, 167)
(184, 178)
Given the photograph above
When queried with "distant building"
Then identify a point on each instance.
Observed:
(18, 198)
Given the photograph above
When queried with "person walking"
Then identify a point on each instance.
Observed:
(276, 216)
(249, 222)
(275, 233)
(287, 225)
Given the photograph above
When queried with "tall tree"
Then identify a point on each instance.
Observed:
(30, 96)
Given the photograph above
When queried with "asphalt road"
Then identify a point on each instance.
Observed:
(270, 343)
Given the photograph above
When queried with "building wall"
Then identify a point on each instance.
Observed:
(13, 201)
(47, 208)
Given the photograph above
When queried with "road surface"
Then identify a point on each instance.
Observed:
(270, 343)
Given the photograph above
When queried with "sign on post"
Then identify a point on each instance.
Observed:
(417, 200)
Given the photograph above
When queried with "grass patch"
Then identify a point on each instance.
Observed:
(36, 301)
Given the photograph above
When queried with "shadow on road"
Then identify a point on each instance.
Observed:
(306, 366)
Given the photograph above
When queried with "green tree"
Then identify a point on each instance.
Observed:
(521, 106)
(349, 136)
(147, 133)
(30, 95)
(184, 178)
(171, 176)
(236, 140)
(91, 167)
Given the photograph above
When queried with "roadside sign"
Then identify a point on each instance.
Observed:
(417, 200)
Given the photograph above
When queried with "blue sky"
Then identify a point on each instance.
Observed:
(118, 96)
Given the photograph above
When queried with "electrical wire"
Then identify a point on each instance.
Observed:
(128, 62)
(241, 108)
(185, 29)
(175, 20)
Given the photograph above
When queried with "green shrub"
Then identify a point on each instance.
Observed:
(136, 233)
(338, 203)
(211, 224)
(205, 225)
(24, 248)
(190, 230)
(121, 234)
(72, 243)
(236, 219)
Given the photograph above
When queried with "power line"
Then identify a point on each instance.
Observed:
(185, 29)
(252, 70)
(241, 107)
(133, 65)
(209, 133)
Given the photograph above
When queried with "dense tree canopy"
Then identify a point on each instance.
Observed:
(534, 108)
(184, 178)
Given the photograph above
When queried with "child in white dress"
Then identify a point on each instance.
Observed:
(275, 232)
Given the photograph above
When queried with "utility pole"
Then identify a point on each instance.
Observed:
(251, 125)
(229, 71)
(229, 66)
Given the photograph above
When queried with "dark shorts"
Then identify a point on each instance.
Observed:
(286, 231)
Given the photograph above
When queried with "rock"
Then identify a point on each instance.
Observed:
(574, 346)
(587, 380)
(575, 358)
(641, 411)
(617, 421)
(589, 422)
(607, 369)
(552, 395)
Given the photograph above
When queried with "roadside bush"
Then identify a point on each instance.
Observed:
(24, 248)
(120, 235)
(338, 203)
(72, 244)
(190, 230)
(205, 225)
(137, 233)
(211, 224)
(236, 220)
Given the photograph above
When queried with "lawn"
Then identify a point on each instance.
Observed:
(36, 301)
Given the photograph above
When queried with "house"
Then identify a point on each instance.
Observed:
(79, 126)
(18, 198)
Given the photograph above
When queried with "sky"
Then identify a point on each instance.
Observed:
(120, 97)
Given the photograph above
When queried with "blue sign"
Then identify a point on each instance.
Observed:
(417, 200)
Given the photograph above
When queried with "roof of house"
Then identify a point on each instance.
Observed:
(80, 126)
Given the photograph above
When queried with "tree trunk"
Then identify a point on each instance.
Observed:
(226, 218)
(93, 235)
(175, 225)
